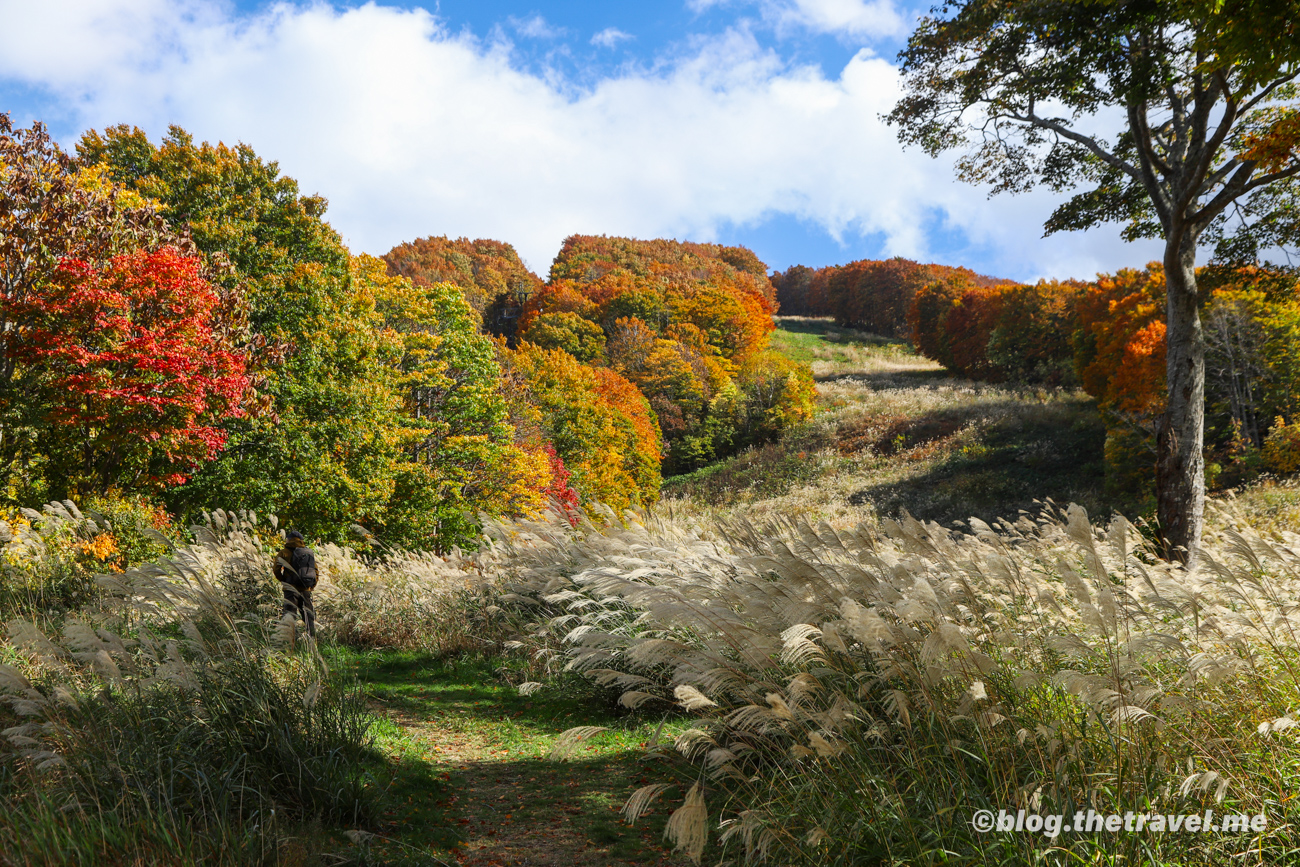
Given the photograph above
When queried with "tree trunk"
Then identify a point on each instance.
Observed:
(1180, 463)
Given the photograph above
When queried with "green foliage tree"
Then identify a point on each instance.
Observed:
(1026, 85)
(778, 394)
(463, 458)
(1259, 36)
(382, 404)
(581, 338)
(237, 207)
(316, 453)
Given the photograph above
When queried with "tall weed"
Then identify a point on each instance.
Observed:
(178, 719)
(861, 693)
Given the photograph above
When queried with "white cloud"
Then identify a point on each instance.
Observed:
(535, 27)
(849, 18)
(412, 130)
(610, 37)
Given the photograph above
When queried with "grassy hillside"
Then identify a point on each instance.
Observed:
(895, 432)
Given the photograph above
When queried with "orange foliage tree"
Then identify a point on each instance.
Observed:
(601, 426)
(793, 288)
(1120, 352)
(967, 327)
(688, 324)
(1032, 339)
(723, 291)
(1120, 357)
(927, 317)
(487, 272)
(999, 333)
(874, 295)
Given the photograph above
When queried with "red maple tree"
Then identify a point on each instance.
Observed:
(132, 372)
(559, 489)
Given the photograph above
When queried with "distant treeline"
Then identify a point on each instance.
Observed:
(1108, 336)
(872, 295)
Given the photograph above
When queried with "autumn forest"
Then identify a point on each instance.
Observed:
(186, 330)
(663, 557)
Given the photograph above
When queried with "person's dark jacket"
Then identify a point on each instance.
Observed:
(302, 567)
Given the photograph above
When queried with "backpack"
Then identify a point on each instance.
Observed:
(303, 565)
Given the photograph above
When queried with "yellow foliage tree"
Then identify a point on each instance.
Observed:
(600, 424)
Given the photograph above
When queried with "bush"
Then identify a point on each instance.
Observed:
(1282, 448)
(233, 757)
(49, 560)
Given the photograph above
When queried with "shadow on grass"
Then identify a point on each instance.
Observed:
(769, 470)
(480, 791)
(561, 813)
(1027, 453)
(529, 811)
(886, 379)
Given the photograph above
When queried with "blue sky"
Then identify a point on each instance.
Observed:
(736, 121)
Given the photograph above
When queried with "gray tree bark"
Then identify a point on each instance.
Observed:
(1180, 437)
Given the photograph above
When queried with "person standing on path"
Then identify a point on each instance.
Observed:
(295, 569)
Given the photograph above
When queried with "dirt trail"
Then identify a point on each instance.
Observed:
(517, 810)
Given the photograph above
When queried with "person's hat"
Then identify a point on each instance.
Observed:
(293, 534)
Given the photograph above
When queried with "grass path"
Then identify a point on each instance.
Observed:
(473, 785)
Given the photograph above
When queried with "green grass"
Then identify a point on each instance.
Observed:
(472, 774)
(807, 339)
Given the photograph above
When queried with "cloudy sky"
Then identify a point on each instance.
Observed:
(738, 121)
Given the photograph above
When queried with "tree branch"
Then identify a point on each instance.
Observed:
(1239, 186)
(1216, 177)
(1078, 138)
(1148, 158)
(1210, 148)
(1267, 90)
(1143, 136)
